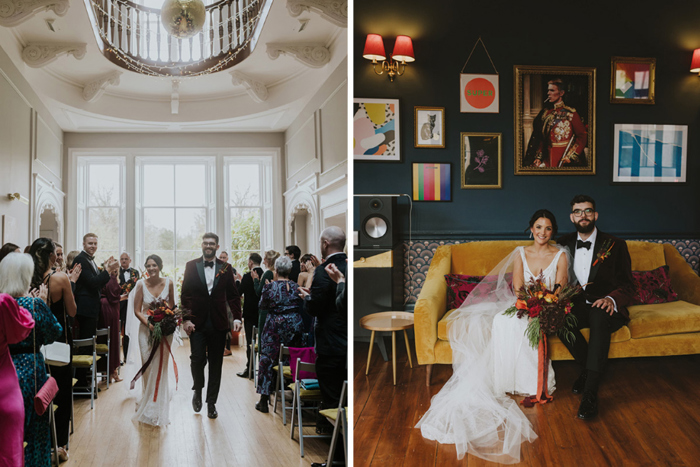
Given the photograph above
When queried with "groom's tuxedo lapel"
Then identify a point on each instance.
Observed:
(200, 270)
(600, 239)
(217, 268)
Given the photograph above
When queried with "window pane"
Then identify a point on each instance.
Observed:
(190, 185)
(158, 185)
(105, 223)
(182, 257)
(244, 184)
(168, 261)
(159, 231)
(245, 234)
(103, 185)
(191, 225)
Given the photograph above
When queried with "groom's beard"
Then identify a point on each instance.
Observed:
(584, 229)
(210, 256)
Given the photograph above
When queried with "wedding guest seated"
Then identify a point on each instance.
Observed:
(62, 303)
(15, 278)
(8, 248)
(15, 325)
(109, 317)
(283, 326)
(260, 281)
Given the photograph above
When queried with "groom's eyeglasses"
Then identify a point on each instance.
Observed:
(581, 212)
(208, 243)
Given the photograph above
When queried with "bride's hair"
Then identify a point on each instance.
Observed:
(547, 215)
(156, 258)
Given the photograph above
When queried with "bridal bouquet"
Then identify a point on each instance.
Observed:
(164, 320)
(549, 313)
(128, 286)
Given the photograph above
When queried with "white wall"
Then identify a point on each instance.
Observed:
(316, 161)
(30, 157)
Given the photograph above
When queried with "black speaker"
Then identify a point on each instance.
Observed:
(377, 229)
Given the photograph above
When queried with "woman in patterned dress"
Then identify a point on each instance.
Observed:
(283, 326)
(15, 277)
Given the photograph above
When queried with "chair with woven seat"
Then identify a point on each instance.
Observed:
(103, 349)
(88, 362)
(253, 371)
(338, 417)
(282, 378)
(306, 396)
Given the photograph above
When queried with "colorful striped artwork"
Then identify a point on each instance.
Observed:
(431, 182)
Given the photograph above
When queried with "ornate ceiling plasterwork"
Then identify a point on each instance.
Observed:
(37, 55)
(255, 89)
(311, 55)
(14, 12)
(94, 89)
(335, 11)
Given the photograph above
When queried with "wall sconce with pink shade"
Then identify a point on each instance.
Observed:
(695, 62)
(396, 65)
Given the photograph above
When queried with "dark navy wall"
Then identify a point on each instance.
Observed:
(582, 33)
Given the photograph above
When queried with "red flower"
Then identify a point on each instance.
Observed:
(567, 310)
(534, 311)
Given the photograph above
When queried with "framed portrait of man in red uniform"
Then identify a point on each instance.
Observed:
(554, 120)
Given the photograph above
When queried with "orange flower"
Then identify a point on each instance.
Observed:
(549, 298)
(521, 305)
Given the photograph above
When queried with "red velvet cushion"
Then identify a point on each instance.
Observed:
(653, 287)
(459, 286)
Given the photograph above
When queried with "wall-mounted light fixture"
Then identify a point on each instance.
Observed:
(396, 65)
(17, 197)
(695, 62)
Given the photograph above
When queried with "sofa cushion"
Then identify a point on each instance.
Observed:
(621, 335)
(459, 287)
(646, 256)
(653, 287)
(661, 319)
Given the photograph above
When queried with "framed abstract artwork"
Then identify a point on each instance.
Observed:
(646, 153)
(376, 130)
(632, 80)
(554, 120)
(429, 127)
(431, 182)
(481, 160)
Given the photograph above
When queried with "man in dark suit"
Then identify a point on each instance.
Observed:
(128, 277)
(207, 287)
(331, 330)
(293, 252)
(602, 265)
(250, 305)
(87, 290)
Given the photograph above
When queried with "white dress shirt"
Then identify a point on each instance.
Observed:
(127, 275)
(209, 276)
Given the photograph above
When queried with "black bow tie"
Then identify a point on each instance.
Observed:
(581, 244)
(91, 258)
(122, 270)
(210, 264)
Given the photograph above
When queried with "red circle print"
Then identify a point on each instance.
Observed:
(479, 93)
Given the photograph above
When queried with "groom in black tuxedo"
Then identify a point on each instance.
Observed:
(602, 266)
(207, 287)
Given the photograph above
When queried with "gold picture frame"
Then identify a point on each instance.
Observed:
(481, 161)
(425, 134)
(632, 80)
(559, 138)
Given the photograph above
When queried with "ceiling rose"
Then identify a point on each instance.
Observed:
(183, 18)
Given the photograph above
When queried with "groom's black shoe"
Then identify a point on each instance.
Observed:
(580, 383)
(589, 406)
(197, 400)
(211, 411)
(243, 374)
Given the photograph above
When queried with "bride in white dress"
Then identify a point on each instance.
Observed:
(151, 408)
(491, 356)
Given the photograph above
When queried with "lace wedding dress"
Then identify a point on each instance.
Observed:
(490, 357)
(151, 408)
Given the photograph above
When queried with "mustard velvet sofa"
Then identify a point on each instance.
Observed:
(654, 330)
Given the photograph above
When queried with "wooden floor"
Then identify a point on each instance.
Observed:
(649, 415)
(241, 436)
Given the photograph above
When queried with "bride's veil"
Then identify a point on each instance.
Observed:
(467, 411)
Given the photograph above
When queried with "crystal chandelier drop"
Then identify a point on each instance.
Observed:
(183, 18)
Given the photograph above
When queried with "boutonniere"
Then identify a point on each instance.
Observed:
(222, 270)
(604, 251)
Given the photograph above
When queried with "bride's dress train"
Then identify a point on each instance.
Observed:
(491, 356)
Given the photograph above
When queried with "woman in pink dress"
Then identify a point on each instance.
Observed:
(15, 325)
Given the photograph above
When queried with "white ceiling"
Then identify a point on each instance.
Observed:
(143, 103)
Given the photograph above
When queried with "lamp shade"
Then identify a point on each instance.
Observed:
(374, 48)
(403, 49)
(695, 62)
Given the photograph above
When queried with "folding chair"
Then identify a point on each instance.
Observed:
(338, 417)
(54, 440)
(282, 377)
(89, 362)
(103, 349)
(253, 372)
(305, 395)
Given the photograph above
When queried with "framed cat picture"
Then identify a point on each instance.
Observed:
(429, 131)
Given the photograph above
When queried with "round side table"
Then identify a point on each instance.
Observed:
(388, 321)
